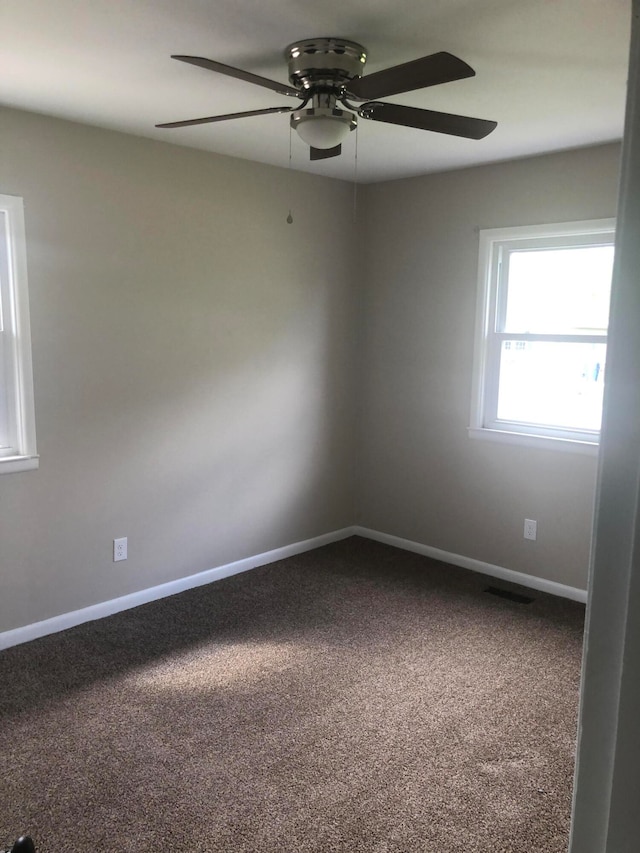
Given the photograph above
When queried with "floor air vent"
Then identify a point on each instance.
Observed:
(510, 596)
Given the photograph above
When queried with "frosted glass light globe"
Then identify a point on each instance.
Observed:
(323, 131)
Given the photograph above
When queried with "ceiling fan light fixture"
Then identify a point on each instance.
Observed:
(323, 128)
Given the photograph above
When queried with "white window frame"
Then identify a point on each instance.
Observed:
(17, 414)
(494, 243)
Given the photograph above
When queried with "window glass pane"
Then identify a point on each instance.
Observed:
(559, 291)
(4, 267)
(4, 343)
(552, 384)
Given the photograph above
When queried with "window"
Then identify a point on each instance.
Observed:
(541, 336)
(17, 424)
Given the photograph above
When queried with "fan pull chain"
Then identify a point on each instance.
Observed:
(355, 179)
(290, 217)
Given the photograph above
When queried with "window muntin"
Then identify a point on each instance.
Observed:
(542, 329)
(17, 423)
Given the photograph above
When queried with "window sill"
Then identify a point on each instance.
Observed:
(544, 442)
(14, 464)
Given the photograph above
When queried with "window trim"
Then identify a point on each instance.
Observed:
(22, 454)
(483, 384)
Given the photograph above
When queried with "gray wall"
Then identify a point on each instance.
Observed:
(192, 363)
(421, 477)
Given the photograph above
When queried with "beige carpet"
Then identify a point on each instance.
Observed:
(356, 699)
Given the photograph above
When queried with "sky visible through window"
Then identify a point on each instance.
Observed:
(556, 292)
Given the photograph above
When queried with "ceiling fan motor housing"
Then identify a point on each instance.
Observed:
(324, 63)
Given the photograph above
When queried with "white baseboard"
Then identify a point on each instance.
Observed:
(144, 596)
(509, 575)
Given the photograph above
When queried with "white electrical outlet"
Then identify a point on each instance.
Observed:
(530, 528)
(119, 549)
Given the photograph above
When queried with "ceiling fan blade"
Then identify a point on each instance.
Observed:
(470, 128)
(209, 119)
(430, 70)
(325, 153)
(247, 76)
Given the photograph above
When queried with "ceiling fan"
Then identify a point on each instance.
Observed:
(325, 72)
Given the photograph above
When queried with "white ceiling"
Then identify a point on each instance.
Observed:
(552, 73)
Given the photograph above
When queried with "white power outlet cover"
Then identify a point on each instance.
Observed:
(119, 549)
(530, 528)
